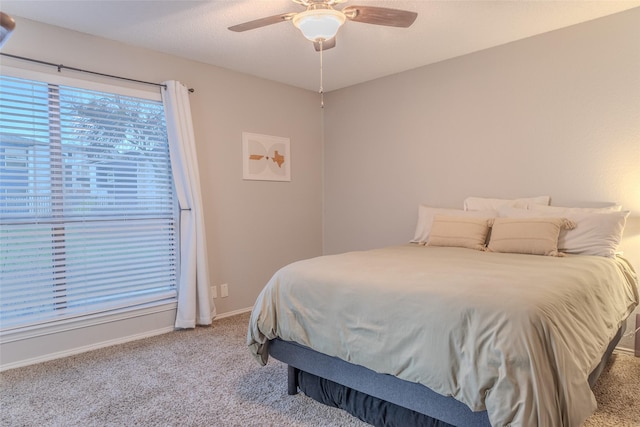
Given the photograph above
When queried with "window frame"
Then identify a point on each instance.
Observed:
(66, 323)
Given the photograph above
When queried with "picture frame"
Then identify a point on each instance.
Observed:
(265, 157)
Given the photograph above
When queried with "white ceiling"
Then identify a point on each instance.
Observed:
(198, 30)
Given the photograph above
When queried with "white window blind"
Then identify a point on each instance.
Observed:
(88, 218)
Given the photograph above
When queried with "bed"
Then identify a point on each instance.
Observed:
(453, 332)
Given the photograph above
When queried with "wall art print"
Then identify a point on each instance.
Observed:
(265, 158)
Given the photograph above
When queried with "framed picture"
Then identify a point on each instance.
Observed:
(265, 158)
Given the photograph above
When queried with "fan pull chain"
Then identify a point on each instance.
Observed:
(321, 88)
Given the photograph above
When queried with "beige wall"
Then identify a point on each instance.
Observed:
(557, 114)
(253, 227)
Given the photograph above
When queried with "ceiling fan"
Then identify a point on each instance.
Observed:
(320, 22)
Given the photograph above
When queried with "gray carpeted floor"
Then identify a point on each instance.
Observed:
(206, 377)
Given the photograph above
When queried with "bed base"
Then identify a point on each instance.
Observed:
(413, 396)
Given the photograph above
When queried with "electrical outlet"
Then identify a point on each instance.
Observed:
(224, 290)
(214, 292)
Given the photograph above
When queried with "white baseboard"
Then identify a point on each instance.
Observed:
(48, 342)
(83, 349)
(15, 357)
(623, 350)
(232, 313)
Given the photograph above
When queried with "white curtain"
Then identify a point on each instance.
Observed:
(194, 305)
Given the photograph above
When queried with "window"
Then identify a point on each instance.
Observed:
(88, 215)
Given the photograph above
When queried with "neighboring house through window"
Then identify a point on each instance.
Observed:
(88, 213)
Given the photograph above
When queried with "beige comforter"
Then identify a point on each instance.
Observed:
(514, 334)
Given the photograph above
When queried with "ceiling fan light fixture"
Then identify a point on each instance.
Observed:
(319, 24)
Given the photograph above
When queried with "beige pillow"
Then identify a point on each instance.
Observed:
(535, 236)
(597, 231)
(464, 232)
(427, 213)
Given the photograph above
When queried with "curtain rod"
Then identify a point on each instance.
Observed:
(61, 67)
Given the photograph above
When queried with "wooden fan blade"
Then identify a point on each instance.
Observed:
(263, 22)
(7, 24)
(380, 16)
(327, 44)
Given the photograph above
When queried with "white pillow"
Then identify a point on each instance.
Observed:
(561, 210)
(427, 213)
(596, 233)
(609, 206)
(483, 203)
